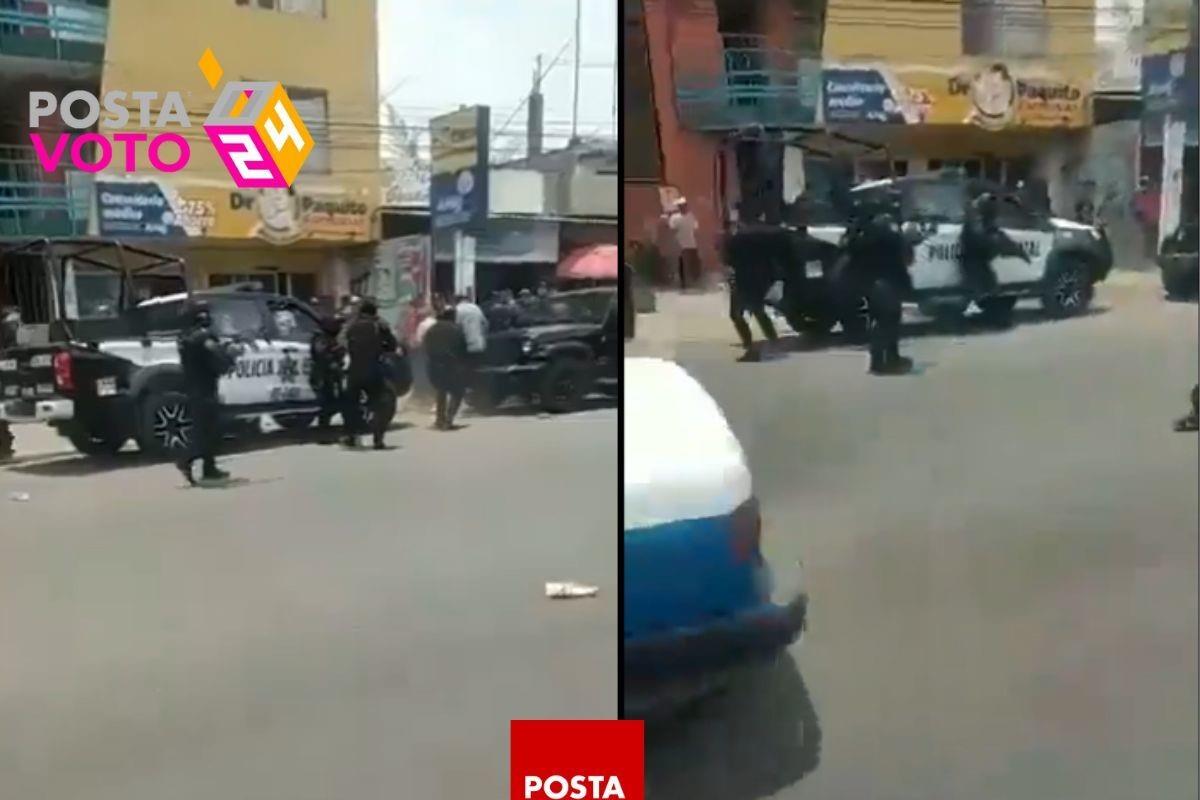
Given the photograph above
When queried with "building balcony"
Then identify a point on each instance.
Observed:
(68, 33)
(38, 203)
(753, 85)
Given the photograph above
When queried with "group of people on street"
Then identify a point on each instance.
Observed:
(352, 372)
(876, 254)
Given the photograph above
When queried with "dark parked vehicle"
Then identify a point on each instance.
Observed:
(561, 348)
(1179, 261)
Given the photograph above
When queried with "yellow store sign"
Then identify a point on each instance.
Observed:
(991, 95)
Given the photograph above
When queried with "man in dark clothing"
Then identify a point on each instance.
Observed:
(983, 240)
(368, 341)
(878, 256)
(753, 259)
(446, 351)
(204, 359)
(328, 362)
(10, 320)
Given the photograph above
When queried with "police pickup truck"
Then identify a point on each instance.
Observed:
(1065, 259)
(126, 382)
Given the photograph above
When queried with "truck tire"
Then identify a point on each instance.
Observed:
(1180, 286)
(1067, 287)
(164, 424)
(564, 384)
(95, 444)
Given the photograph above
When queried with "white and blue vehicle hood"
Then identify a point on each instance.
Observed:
(682, 461)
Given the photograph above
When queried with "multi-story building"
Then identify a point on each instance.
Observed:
(306, 240)
(1000, 88)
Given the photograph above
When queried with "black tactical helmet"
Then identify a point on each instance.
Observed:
(197, 312)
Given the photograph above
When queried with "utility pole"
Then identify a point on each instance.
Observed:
(575, 102)
(534, 126)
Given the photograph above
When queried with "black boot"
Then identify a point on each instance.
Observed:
(878, 361)
(184, 465)
(212, 473)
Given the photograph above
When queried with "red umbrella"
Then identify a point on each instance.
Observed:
(596, 263)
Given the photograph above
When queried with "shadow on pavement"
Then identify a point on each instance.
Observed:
(756, 738)
(930, 328)
(67, 466)
(519, 408)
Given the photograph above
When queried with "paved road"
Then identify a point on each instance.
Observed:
(1002, 559)
(345, 625)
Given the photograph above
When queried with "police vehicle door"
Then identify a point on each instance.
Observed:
(935, 209)
(292, 329)
(1032, 232)
(253, 377)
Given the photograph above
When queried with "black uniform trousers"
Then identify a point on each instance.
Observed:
(884, 309)
(372, 387)
(206, 428)
(737, 315)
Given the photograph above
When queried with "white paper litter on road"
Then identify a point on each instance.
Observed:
(560, 590)
(19, 497)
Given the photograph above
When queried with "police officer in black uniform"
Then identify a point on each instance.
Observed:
(878, 256)
(752, 254)
(983, 240)
(368, 341)
(328, 372)
(204, 358)
(10, 319)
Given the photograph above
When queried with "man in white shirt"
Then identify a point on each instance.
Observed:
(683, 225)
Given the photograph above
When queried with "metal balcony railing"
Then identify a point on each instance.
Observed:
(62, 30)
(754, 84)
(34, 202)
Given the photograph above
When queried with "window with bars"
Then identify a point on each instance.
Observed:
(311, 8)
(1005, 28)
(313, 107)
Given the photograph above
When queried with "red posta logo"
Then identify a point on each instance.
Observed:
(577, 760)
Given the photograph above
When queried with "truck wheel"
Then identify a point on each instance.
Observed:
(97, 445)
(484, 399)
(1067, 288)
(165, 424)
(997, 311)
(564, 384)
(1180, 286)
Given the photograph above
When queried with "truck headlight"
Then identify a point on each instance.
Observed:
(528, 347)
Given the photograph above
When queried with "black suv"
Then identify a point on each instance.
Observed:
(559, 349)
(1180, 263)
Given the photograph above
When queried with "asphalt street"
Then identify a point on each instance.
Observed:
(1001, 554)
(340, 625)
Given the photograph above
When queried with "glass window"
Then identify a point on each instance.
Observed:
(237, 317)
(164, 317)
(938, 201)
(294, 323)
(313, 107)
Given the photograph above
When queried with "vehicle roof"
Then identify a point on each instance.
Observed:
(682, 461)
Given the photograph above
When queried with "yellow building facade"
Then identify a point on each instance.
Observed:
(1001, 88)
(307, 240)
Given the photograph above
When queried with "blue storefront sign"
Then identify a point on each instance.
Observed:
(859, 95)
(1169, 86)
(458, 189)
(129, 208)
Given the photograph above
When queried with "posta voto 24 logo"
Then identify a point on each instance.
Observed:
(253, 125)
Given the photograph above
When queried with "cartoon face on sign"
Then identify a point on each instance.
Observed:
(994, 96)
(279, 212)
